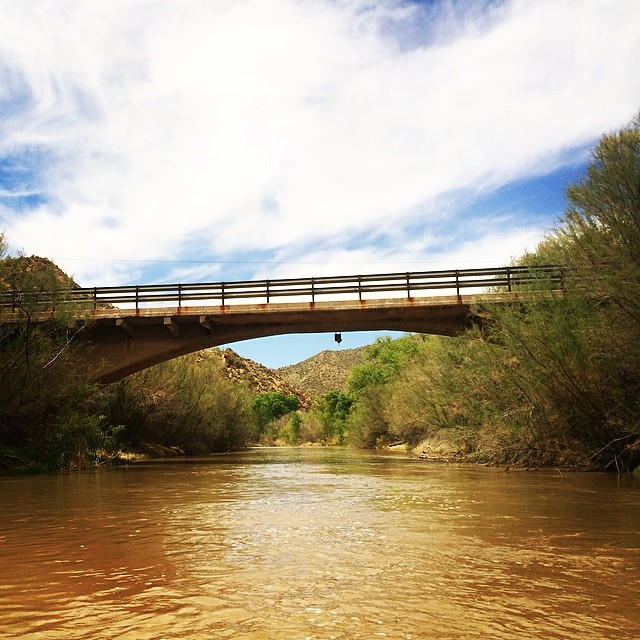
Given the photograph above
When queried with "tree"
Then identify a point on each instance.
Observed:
(335, 410)
(46, 410)
(368, 386)
(186, 403)
(602, 223)
(271, 406)
(292, 431)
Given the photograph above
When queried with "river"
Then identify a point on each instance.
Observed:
(317, 543)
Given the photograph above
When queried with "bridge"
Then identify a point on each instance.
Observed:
(133, 327)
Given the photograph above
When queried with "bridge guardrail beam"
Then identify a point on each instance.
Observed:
(360, 285)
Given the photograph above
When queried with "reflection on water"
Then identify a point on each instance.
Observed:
(318, 544)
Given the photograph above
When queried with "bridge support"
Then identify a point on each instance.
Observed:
(171, 324)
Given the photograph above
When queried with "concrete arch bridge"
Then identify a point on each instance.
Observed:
(133, 327)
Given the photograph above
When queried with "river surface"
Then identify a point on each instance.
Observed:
(319, 543)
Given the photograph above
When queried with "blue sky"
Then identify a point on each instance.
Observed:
(189, 140)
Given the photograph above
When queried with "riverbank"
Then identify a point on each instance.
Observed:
(432, 450)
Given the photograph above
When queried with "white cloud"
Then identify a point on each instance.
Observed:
(207, 130)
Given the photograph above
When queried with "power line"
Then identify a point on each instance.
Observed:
(278, 262)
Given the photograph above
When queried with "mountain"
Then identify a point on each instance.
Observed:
(307, 380)
(13, 271)
(324, 372)
(260, 378)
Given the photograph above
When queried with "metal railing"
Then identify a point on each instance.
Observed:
(410, 284)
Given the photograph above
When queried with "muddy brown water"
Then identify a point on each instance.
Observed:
(319, 543)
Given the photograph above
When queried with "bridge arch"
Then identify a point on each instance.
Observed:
(121, 344)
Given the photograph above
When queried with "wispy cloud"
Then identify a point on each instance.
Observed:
(308, 134)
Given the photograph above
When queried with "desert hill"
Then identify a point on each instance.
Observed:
(14, 270)
(307, 380)
(260, 378)
(324, 372)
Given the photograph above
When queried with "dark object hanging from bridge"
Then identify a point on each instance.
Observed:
(338, 337)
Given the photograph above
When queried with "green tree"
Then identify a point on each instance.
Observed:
(415, 408)
(291, 432)
(186, 403)
(270, 406)
(368, 386)
(335, 410)
(47, 411)
(602, 230)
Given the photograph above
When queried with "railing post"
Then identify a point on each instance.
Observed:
(222, 294)
(313, 290)
(179, 295)
(137, 296)
(95, 298)
(360, 288)
(509, 279)
(457, 283)
(408, 285)
(267, 292)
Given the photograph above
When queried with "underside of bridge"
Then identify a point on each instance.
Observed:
(125, 341)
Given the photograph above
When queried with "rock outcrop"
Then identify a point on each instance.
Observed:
(260, 378)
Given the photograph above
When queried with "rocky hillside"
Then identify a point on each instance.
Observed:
(307, 380)
(14, 270)
(324, 372)
(260, 378)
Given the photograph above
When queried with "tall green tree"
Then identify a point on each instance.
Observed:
(47, 410)
(601, 228)
(270, 406)
(335, 407)
(368, 386)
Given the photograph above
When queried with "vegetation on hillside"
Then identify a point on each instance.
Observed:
(326, 371)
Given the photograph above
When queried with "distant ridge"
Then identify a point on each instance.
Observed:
(324, 372)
